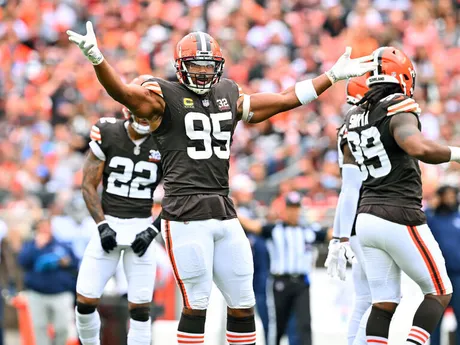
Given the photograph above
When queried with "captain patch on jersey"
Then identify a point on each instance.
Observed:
(132, 170)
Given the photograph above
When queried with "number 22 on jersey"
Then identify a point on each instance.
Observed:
(123, 184)
(369, 152)
(209, 124)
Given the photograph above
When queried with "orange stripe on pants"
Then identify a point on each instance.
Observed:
(169, 246)
(429, 262)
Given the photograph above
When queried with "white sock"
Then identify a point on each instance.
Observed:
(360, 338)
(88, 328)
(359, 310)
(140, 332)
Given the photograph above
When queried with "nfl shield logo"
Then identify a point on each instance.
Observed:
(205, 102)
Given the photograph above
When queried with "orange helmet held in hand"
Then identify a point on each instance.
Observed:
(393, 67)
(200, 52)
(356, 89)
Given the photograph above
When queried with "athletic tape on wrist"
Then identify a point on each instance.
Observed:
(305, 91)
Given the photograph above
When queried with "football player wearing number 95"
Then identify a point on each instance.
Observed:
(383, 134)
(194, 120)
(124, 156)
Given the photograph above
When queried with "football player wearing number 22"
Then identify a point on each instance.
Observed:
(193, 121)
(123, 155)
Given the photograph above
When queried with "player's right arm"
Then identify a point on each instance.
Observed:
(93, 169)
(349, 194)
(339, 250)
(407, 134)
(142, 101)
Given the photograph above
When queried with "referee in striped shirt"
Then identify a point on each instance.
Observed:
(291, 256)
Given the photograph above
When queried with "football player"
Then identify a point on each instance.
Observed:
(194, 120)
(385, 142)
(123, 155)
(344, 235)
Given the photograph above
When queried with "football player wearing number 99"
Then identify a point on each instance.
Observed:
(386, 143)
(123, 155)
(194, 120)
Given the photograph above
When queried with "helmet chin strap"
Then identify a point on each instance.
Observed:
(139, 129)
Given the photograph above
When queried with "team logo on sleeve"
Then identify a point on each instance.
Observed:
(154, 156)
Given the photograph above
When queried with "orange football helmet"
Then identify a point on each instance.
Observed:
(200, 49)
(393, 67)
(356, 89)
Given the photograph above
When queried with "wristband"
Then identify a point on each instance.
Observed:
(102, 223)
(247, 115)
(305, 91)
(154, 228)
(454, 153)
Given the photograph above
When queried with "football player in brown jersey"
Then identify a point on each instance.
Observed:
(385, 142)
(124, 157)
(194, 120)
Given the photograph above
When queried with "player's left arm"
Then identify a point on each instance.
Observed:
(261, 106)
(406, 132)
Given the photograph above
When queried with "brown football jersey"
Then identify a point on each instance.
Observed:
(392, 185)
(194, 140)
(131, 172)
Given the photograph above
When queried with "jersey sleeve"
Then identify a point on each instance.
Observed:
(403, 104)
(99, 139)
(154, 86)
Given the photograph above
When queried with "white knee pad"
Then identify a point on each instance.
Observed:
(190, 262)
(195, 274)
(246, 300)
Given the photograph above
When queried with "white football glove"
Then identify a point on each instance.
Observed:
(345, 255)
(332, 257)
(346, 68)
(87, 44)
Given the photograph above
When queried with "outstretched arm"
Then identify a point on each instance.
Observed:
(261, 106)
(406, 132)
(141, 101)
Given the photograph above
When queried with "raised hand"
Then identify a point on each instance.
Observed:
(346, 68)
(87, 44)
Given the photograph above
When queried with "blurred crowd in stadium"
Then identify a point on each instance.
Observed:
(50, 97)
